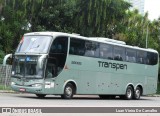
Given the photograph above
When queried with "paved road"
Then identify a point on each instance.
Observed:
(28, 100)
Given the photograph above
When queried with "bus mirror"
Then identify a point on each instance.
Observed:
(6, 58)
(40, 60)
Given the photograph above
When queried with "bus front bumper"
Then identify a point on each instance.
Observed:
(36, 89)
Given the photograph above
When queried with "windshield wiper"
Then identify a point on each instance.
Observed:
(33, 76)
(34, 47)
(18, 76)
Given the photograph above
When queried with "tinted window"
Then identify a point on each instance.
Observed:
(77, 46)
(119, 53)
(57, 56)
(91, 49)
(59, 45)
(130, 55)
(141, 57)
(152, 58)
(51, 69)
(106, 51)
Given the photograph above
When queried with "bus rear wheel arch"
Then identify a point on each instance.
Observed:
(69, 91)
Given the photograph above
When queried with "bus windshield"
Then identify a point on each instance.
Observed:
(26, 66)
(34, 44)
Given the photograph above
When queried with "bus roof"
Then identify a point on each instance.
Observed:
(96, 39)
(56, 34)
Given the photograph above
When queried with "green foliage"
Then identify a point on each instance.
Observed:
(106, 18)
(158, 88)
(11, 23)
(103, 18)
(99, 17)
(2, 87)
(1, 55)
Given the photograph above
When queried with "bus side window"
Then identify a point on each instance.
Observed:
(77, 47)
(71, 50)
(92, 49)
(101, 54)
(53, 49)
(130, 55)
(127, 59)
(106, 51)
(141, 56)
(81, 51)
(89, 53)
(59, 48)
(152, 58)
(119, 53)
(59, 45)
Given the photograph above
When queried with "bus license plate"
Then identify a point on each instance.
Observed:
(22, 89)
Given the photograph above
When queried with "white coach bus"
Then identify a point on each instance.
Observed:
(55, 63)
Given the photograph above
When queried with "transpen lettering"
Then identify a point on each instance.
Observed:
(115, 66)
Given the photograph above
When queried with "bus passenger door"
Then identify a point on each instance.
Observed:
(56, 61)
(50, 74)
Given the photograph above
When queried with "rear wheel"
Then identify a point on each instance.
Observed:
(137, 93)
(129, 93)
(68, 91)
(41, 95)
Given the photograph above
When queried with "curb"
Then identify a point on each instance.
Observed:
(156, 95)
(6, 91)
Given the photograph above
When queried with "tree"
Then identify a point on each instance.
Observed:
(1, 55)
(11, 23)
(105, 18)
(99, 17)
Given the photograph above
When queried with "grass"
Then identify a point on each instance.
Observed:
(2, 87)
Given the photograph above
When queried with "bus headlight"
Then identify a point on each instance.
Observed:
(36, 85)
(13, 83)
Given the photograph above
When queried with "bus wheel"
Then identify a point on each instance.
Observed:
(68, 91)
(129, 93)
(40, 95)
(137, 93)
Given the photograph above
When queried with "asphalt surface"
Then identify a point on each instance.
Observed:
(23, 99)
(30, 100)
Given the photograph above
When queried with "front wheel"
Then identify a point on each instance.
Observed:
(137, 93)
(68, 91)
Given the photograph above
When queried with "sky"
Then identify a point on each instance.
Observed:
(153, 8)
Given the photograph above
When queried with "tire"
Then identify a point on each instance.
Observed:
(68, 91)
(129, 93)
(137, 93)
(41, 95)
